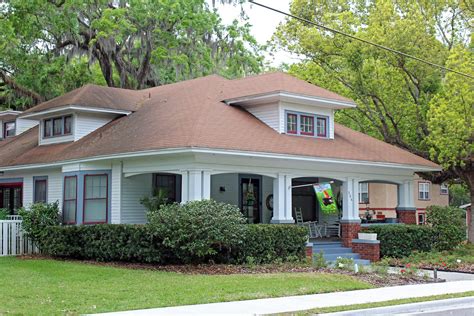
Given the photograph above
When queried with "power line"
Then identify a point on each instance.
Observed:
(362, 40)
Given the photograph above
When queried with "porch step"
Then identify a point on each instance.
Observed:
(331, 250)
(333, 257)
(327, 245)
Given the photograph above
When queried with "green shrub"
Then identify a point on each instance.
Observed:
(129, 243)
(401, 240)
(269, 243)
(4, 213)
(37, 217)
(199, 231)
(448, 225)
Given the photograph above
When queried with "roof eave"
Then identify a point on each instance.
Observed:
(412, 167)
(76, 108)
(290, 97)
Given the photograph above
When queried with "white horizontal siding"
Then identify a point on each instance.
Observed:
(116, 199)
(23, 125)
(27, 190)
(133, 190)
(267, 113)
(86, 123)
(55, 187)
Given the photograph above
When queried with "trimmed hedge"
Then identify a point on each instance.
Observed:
(141, 243)
(107, 242)
(401, 240)
(268, 243)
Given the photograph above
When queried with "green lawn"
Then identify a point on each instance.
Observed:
(54, 287)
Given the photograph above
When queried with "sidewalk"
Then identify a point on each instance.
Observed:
(305, 302)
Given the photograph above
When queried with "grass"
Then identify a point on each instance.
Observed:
(49, 287)
(383, 304)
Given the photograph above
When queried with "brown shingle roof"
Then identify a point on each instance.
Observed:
(191, 114)
(274, 82)
(95, 96)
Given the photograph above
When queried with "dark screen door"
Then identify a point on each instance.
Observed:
(250, 199)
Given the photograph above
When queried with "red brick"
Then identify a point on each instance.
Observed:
(370, 251)
(407, 216)
(349, 231)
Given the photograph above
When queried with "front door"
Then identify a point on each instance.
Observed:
(11, 196)
(304, 198)
(250, 203)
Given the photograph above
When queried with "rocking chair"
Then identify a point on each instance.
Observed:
(314, 230)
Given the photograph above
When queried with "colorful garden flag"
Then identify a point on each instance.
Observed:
(326, 199)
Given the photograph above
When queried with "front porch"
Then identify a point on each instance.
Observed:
(266, 190)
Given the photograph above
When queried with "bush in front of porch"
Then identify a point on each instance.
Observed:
(194, 232)
(445, 231)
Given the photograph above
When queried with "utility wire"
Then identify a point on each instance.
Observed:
(362, 40)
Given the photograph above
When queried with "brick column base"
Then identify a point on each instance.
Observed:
(349, 231)
(367, 249)
(309, 251)
(407, 216)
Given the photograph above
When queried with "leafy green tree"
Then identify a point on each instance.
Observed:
(129, 44)
(404, 102)
(458, 194)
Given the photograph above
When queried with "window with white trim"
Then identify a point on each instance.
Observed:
(423, 190)
(9, 129)
(57, 126)
(444, 189)
(306, 124)
(364, 192)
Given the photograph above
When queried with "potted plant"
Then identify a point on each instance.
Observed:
(368, 236)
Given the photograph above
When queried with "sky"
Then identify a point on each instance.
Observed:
(263, 21)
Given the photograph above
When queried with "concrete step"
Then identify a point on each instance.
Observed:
(331, 250)
(360, 262)
(333, 257)
(327, 246)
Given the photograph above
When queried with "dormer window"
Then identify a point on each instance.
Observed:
(322, 126)
(57, 126)
(9, 129)
(306, 124)
(291, 123)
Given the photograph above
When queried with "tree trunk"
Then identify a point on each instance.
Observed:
(469, 214)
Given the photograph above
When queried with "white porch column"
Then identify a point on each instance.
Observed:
(282, 200)
(350, 201)
(116, 199)
(196, 185)
(406, 209)
(350, 221)
(206, 185)
(406, 199)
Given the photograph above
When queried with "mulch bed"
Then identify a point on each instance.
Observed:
(462, 267)
(225, 269)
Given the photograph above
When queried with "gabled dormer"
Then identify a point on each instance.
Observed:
(291, 106)
(80, 112)
(11, 125)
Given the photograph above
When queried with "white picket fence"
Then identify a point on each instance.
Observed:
(13, 241)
